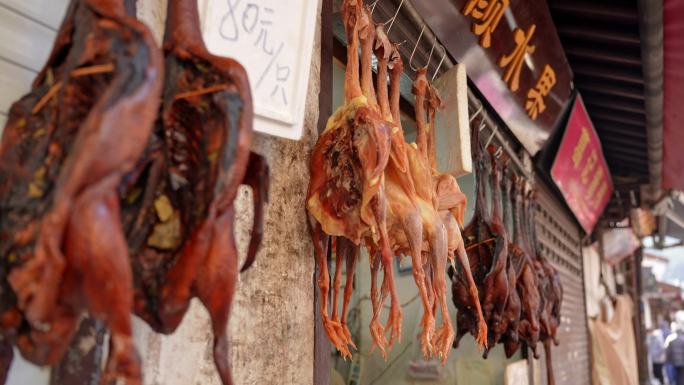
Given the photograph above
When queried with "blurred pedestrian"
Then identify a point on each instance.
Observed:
(656, 350)
(674, 347)
(666, 326)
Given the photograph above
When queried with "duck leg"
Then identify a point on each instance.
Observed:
(256, 177)
(393, 326)
(6, 358)
(94, 260)
(481, 337)
(215, 286)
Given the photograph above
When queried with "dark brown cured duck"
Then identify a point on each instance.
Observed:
(178, 203)
(67, 145)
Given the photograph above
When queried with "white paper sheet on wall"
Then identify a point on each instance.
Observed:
(273, 40)
(452, 127)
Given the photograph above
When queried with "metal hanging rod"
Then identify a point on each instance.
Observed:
(447, 63)
(496, 134)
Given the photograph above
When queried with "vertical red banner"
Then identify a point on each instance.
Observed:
(580, 170)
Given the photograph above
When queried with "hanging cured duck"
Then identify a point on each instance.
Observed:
(66, 147)
(100, 193)
(521, 293)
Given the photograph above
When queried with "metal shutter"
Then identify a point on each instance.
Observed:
(559, 236)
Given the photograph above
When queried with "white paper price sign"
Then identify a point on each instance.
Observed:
(273, 40)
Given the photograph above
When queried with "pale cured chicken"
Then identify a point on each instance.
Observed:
(394, 211)
(451, 205)
(404, 223)
(436, 253)
(66, 147)
(346, 189)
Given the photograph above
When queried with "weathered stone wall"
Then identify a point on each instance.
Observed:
(271, 326)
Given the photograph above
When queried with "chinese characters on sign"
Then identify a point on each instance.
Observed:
(487, 15)
(513, 61)
(272, 40)
(535, 96)
(514, 57)
(580, 170)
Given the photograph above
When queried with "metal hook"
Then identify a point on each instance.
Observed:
(499, 152)
(494, 131)
(439, 65)
(483, 124)
(394, 17)
(432, 50)
(479, 110)
(373, 6)
(415, 47)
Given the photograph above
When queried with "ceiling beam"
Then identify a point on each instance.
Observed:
(605, 89)
(615, 103)
(595, 35)
(594, 10)
(602, 129)
(593, 55)
(634, 76)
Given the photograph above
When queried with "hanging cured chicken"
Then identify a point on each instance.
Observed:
(66, 147)
(374, 189)
(346, 192)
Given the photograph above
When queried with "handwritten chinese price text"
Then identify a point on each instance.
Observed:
(253, 22)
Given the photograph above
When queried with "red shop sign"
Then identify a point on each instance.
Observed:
(580, 170)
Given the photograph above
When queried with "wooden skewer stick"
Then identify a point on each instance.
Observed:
(201, 91)
(85, 71)
(490, 240)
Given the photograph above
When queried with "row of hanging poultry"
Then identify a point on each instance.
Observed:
(120, 166)
(118, 173)
(371, 188)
